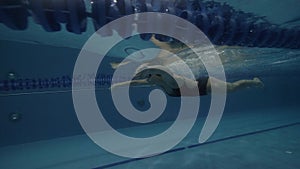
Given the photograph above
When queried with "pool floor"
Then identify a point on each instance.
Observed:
(268, 138)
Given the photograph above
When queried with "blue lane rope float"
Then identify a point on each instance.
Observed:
(59, 82)
(13, 14)
(220, 22)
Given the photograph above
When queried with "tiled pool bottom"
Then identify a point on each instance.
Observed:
(276, 149)
(267, 138)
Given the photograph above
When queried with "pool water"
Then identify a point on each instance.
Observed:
(39, 127)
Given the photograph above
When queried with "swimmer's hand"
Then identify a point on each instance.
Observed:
(155, 79)
(258, 82)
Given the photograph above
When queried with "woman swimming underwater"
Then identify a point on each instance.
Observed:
(156, 74)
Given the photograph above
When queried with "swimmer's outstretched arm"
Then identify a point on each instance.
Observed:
(132, 82)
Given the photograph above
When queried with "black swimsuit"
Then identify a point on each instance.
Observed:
(202, 86)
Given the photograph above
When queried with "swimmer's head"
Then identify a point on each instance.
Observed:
(145, 72)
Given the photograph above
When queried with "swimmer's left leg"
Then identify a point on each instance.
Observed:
(234, 86)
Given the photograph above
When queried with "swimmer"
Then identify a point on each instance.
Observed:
(156, 75)
(172, 83)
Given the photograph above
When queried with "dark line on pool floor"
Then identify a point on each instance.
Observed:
(199, 144)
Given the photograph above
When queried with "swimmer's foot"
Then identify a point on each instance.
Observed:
(258, 82)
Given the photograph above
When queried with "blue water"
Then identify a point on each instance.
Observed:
(39, 127)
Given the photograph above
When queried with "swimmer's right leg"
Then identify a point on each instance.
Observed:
(241, 84)
(234, 86)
